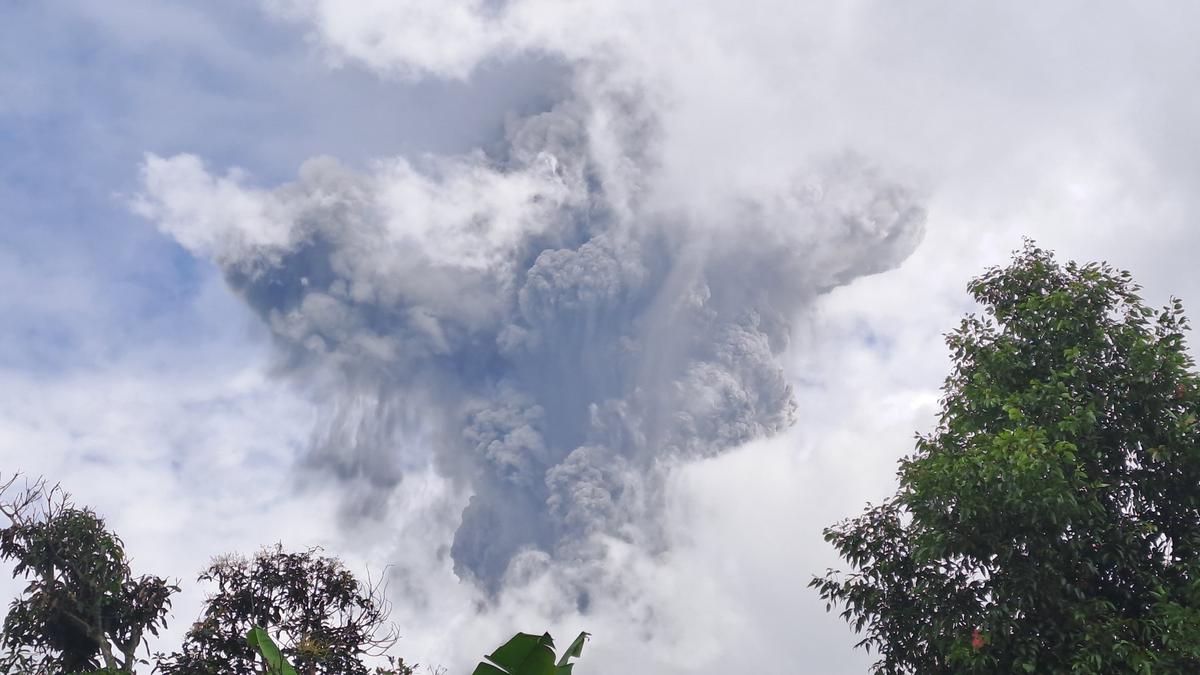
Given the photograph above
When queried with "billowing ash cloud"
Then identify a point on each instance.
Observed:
(542, 320)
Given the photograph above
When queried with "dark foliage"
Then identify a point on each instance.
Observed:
(82, 608)
(325, 620)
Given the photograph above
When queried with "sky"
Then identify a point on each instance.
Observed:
(569, 315)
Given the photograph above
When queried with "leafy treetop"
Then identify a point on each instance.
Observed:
(325, 618)
(83, 609)
(1051, 521)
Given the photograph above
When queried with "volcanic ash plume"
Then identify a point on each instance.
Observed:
(540, 322)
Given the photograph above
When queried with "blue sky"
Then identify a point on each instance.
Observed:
(91, 87)
(134, 373)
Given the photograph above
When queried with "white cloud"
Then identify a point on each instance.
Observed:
(1048, 123)
(1065, 122)
(215, 216)
(187, 455)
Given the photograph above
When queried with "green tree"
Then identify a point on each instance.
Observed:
(1051, 521)
(82, 609)
(325, 619)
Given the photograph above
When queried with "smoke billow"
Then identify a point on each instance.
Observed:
(538, 321)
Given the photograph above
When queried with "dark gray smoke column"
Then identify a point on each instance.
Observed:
(554, 334)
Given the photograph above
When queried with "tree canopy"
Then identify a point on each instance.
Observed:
(325, 619)
(83, 612)
(82, 609)
(1050, 523)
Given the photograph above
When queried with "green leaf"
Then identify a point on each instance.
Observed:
(574, 650)
(527, 654)
(523, 647)
(258, 639)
